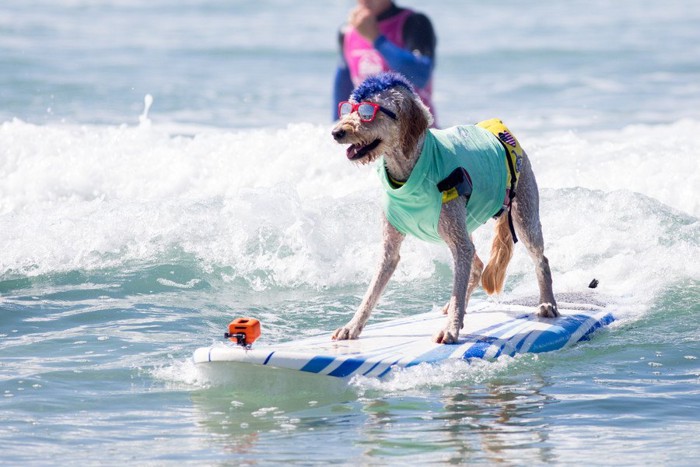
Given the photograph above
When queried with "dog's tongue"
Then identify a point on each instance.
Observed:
(358, 151)
(351, 152)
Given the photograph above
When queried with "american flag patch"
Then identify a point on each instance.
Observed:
(507, 138)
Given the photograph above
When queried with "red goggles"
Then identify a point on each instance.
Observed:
(366, 110)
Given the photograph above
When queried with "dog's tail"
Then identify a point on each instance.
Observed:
(494, 275)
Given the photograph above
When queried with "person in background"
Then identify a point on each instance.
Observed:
(381, 36)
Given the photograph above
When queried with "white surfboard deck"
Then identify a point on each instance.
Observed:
(490, 330)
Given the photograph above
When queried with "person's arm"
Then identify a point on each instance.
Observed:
(416, 60)
(417, 68)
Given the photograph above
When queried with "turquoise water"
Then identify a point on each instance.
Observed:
(130, 236)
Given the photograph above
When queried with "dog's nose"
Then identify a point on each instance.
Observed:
(338, 134)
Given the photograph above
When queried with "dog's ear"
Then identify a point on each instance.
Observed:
(414, 119)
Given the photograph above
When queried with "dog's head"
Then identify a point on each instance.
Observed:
(384, 116)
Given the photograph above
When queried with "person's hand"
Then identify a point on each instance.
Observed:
(362, 19)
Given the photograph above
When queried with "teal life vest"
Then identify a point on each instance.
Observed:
(414, 207)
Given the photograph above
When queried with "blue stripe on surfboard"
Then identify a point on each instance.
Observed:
(604, 321)
(316, 364)
(444, 351)
(347, 368)
(545, 340)
(511, 345)
(484, 344)
(435, 355)
(480, 347)
(268, 358)
(371, 368)
(559, 336)
(388, 369)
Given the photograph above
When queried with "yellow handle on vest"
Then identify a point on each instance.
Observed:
(513, 150)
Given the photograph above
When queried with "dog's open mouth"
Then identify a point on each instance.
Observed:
(357, 151)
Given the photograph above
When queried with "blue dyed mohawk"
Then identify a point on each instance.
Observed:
(379, 83)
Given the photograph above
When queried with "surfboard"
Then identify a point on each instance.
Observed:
(490, 331)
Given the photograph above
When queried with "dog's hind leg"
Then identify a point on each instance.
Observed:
(391, 246)
(474, 279)
(526, 219)
(475, 274)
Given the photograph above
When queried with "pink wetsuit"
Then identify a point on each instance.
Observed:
(364, 60)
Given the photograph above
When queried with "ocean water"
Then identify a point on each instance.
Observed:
(167, 166)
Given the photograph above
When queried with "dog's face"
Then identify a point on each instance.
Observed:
(392, 130)
(368, 138)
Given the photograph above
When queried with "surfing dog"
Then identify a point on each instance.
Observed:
(385, 120)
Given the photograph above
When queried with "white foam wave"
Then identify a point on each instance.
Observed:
(658, 161)
(426, 376)
(285, 207)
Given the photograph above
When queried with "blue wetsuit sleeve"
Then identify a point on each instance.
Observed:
(342, 82)
(416, 68)
(342, 87)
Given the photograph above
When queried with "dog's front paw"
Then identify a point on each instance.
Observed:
(349, 331)
(446, 336)
(547, 310)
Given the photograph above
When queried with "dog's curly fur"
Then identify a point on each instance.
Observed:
(400, 141)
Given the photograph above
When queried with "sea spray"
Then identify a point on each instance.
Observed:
(284, 208)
